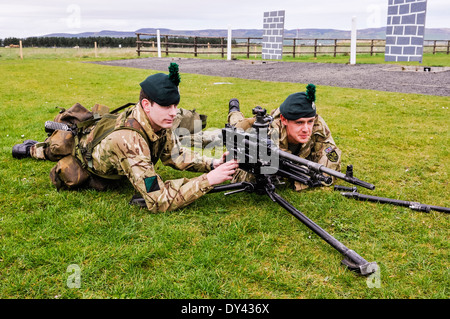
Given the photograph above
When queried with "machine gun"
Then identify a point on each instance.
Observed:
(256, 154)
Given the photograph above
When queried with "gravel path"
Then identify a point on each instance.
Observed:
(381, 77)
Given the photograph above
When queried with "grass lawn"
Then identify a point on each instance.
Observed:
(237, 246)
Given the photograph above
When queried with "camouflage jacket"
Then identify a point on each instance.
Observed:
(126, 153)
(321, 147)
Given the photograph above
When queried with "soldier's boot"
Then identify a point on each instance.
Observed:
(233, 106)
(23, 150)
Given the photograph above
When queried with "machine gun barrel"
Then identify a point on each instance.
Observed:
(319, 168)
(303, 170)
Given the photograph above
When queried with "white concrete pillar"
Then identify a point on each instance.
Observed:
(353, 42)
(158, 39)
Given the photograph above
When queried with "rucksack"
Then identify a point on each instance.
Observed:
(74, 168)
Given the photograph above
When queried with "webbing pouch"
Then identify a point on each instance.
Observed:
(68, 173)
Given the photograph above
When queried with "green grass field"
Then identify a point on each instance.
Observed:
(237, 246)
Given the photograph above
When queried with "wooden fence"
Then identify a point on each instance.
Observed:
(251, 46)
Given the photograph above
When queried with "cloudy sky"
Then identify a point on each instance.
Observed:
(25, 18)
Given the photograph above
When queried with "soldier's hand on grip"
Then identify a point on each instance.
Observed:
(222, 173)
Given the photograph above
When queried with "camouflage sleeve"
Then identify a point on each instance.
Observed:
(129, 154)
(181, 158)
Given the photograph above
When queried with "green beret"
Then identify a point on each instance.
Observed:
(163, 88)
(299, 105)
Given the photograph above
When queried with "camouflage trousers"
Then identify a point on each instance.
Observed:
(211, 138)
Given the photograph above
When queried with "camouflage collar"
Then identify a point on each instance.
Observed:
(140, 116)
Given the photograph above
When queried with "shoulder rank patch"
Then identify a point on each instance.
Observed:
(333, 156)
(151, 184)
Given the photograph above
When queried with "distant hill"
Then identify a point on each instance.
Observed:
(104, 33)
(371, 33)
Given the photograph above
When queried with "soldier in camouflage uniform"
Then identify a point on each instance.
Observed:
(296, 129)
(134, 152)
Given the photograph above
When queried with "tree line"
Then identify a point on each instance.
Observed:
(88, 42)
(84, 42)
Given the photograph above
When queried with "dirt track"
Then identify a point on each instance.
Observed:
(380, 77)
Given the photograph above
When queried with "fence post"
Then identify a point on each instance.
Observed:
(248, 48)
(448, 46)
(222, 46)
(138, 49)
(195, 46)
(166, 38)
(293, 50)
(335, 47)
(315, 47)
(371, 47)
(20, 49)
(434, 47)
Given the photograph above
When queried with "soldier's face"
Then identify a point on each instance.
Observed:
(298, 131)
(161, 117)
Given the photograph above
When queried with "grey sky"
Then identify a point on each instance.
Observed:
(24, 18)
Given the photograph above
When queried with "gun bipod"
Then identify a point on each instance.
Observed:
(352, 260)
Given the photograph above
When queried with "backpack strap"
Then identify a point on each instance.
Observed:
(122, 107)
(105, 126)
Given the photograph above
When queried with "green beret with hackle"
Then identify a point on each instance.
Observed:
(163, 88)
(300, 105)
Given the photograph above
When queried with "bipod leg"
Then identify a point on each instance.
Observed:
(352, 260)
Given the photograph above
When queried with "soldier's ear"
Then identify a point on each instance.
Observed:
(145, 102)
(146, 105)
(284, 121)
